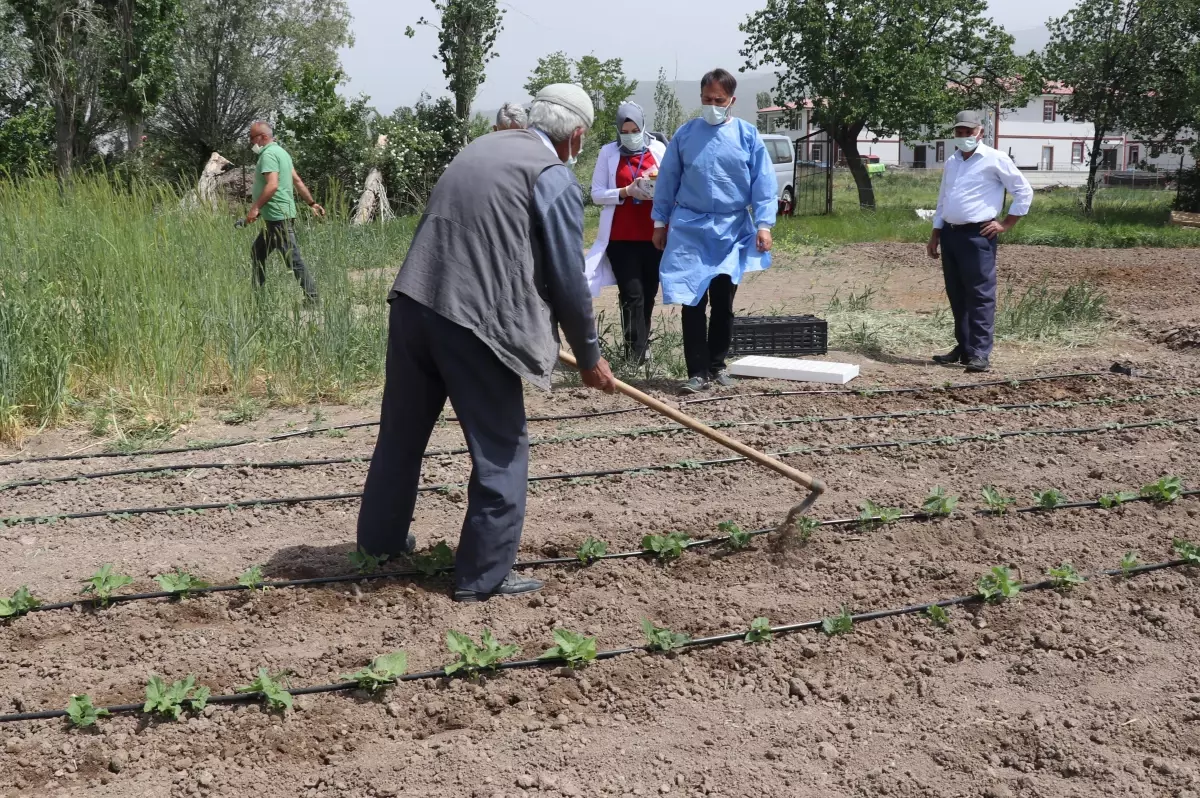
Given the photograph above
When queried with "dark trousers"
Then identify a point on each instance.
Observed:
(969, 267)
(706, 340)
(281, 237)
(635, 265)
(428, 360)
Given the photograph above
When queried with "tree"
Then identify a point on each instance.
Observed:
(421, 142)
(328, 136)
(67, 60)
(141, 43)
(231, 64)
(605, 83)
(1130, 64)
(763, 100)
(480, 126)
(892, 66)
(668, 111)
(553, 68)
(467, 34)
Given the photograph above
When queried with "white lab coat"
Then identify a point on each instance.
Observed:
(598, 270)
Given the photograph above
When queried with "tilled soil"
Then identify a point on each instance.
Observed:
(1091, 691)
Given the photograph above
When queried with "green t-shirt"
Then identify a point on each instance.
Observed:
(282, 206)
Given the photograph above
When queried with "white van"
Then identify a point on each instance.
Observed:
(783, 155)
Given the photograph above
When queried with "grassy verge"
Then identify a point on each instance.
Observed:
(1121, 217)
(120, 305)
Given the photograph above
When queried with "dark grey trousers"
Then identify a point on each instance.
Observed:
(969, 269)
(281, 237)
(428, 360)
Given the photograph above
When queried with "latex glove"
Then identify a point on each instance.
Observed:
(638, 191)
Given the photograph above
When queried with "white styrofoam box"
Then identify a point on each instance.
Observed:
(789, 368)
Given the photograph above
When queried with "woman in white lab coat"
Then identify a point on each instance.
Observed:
(624, 253)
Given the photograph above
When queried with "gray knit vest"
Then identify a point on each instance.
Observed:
(472, 261)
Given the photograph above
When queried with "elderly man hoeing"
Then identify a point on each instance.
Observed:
(965, 226)
(495, 264)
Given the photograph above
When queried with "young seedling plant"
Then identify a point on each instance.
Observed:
(660, 639)
(180, 583)
(1188, 552)
(996, 501)
(1065, 576)
(1128, 563)
(437, 560)
(939, 503)
(82, 713)
(872, 514)
(252, 578)
(998, 584)
(104, 583)
(383, 671)
(666, 547)
(572, 648)
(1049, 499)
(760, 631)
(168, 700)
(938, 616)
(840, 624)
(1111, 500)
(21, 602)
(365, 563)
(274, 693)
(475, 658)
(591, 550)
(738, 540)
(1164, 491)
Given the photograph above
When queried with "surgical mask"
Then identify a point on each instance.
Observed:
(257, 149)
(966, 143)
(634, 142)
(574, 158)
(716, 114)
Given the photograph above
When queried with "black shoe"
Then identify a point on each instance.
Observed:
(724, 379)
(978, 365)
(955, 355)
(693, 386)
(514, 584)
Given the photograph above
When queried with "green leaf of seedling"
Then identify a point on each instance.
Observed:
(661, 639)
(21, 602)
(572, 648)
(474, 658)
(1110, 500)
(82, 713)
(666, 547)
(1128, 563)
(840, 624)
(383, 671)
(274, 694)
(738, 540)
(252, 578)
(938, 616)
(760, 631)
(1065, 576)
(998, 585)
(1187, 551)
(168, 700)
(1164, 491)
(874, 515)
(591, 550)
(104, 583)
(366, 563)
(179, 583)
(997, 502)
(437, 560)
(1049, 499)
(939, 503)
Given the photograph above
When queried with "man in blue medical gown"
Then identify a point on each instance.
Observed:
(714, 207)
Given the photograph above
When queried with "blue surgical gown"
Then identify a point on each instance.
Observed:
(716, 186)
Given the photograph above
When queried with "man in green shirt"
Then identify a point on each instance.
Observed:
(275, 185)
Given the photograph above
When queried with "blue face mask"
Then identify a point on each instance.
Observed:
(716, 114)
(634, 142)
(966, 143)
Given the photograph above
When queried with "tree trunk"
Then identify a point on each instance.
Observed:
(64, 138)
(848, 142)
(1093, 167)
(133, 135)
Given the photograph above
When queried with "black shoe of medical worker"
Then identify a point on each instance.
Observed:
(724, 379)
(693, 386)
(955, 355)
(978, 365)
(514, 584)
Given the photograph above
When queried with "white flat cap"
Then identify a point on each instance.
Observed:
(571, 97)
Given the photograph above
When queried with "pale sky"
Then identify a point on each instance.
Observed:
(693, 37)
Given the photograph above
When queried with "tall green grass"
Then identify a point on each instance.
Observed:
(1122, 217)
(120, 300)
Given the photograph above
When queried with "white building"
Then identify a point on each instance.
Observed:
(1036, 137)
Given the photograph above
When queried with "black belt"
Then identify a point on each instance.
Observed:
(963, 226)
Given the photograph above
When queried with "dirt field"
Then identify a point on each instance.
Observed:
(1095, 691)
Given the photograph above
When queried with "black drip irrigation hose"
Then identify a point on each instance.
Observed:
(700, 642)
(660, 430)
(685, 465)
(203, 447)
(549, 561)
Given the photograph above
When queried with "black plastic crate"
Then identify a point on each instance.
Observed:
(779, 335)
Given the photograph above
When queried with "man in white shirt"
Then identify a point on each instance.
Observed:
(965, 227)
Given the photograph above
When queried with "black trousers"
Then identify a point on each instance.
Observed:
(969, 269)
(428, 360)
(635, 265)
(280, 237)
(706, 340)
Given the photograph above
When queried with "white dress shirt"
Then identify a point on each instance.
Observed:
(973, 188)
